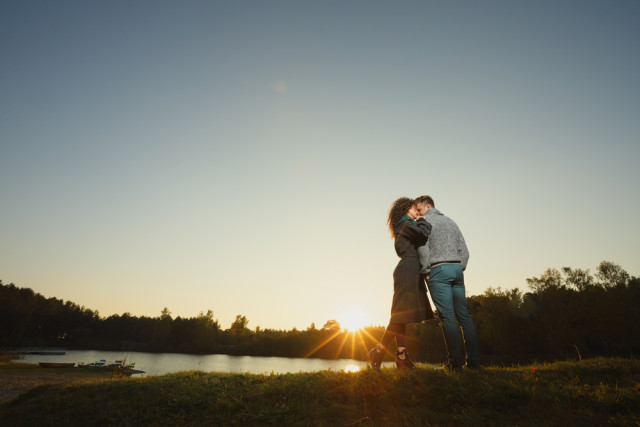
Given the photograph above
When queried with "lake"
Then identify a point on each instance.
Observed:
(164, 363)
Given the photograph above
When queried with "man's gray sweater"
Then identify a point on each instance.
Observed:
(445, 245)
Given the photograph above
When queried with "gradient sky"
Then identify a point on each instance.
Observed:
(241, 156)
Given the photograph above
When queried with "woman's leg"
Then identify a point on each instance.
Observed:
(394, 330)
(397, 331)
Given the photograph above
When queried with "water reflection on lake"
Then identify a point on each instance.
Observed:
(164, 363)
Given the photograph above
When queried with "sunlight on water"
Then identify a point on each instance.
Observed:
(352, 368)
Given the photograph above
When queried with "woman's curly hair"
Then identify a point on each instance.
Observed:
(399, 208)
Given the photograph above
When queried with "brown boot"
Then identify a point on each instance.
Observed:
(375, 356)
(403, 361)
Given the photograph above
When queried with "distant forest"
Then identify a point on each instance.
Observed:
(568, 313)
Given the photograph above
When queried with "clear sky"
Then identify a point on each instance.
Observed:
(241, 156)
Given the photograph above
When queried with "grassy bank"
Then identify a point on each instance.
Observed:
(590, 392)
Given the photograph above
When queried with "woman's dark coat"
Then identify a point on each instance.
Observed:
(410, 303)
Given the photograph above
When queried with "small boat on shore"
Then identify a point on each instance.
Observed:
(99, 364)
(57, 364)
(120, 366)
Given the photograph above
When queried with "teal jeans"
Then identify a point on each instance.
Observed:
(446, 285)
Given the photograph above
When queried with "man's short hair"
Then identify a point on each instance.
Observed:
(425, 199)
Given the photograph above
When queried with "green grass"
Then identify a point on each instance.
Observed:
(590, 392)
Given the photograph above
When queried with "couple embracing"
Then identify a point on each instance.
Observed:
(431, 248)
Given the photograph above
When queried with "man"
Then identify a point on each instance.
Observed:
(443, 260)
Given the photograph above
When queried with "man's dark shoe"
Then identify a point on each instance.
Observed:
(403, 361)
(375, 356)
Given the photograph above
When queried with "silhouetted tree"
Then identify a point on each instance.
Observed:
(331, 325)
(610, 275)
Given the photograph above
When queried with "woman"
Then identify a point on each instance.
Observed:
(410, 304)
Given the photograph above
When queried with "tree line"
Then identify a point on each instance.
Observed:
(566, 313)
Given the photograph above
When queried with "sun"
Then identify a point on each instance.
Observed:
(352, 319)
